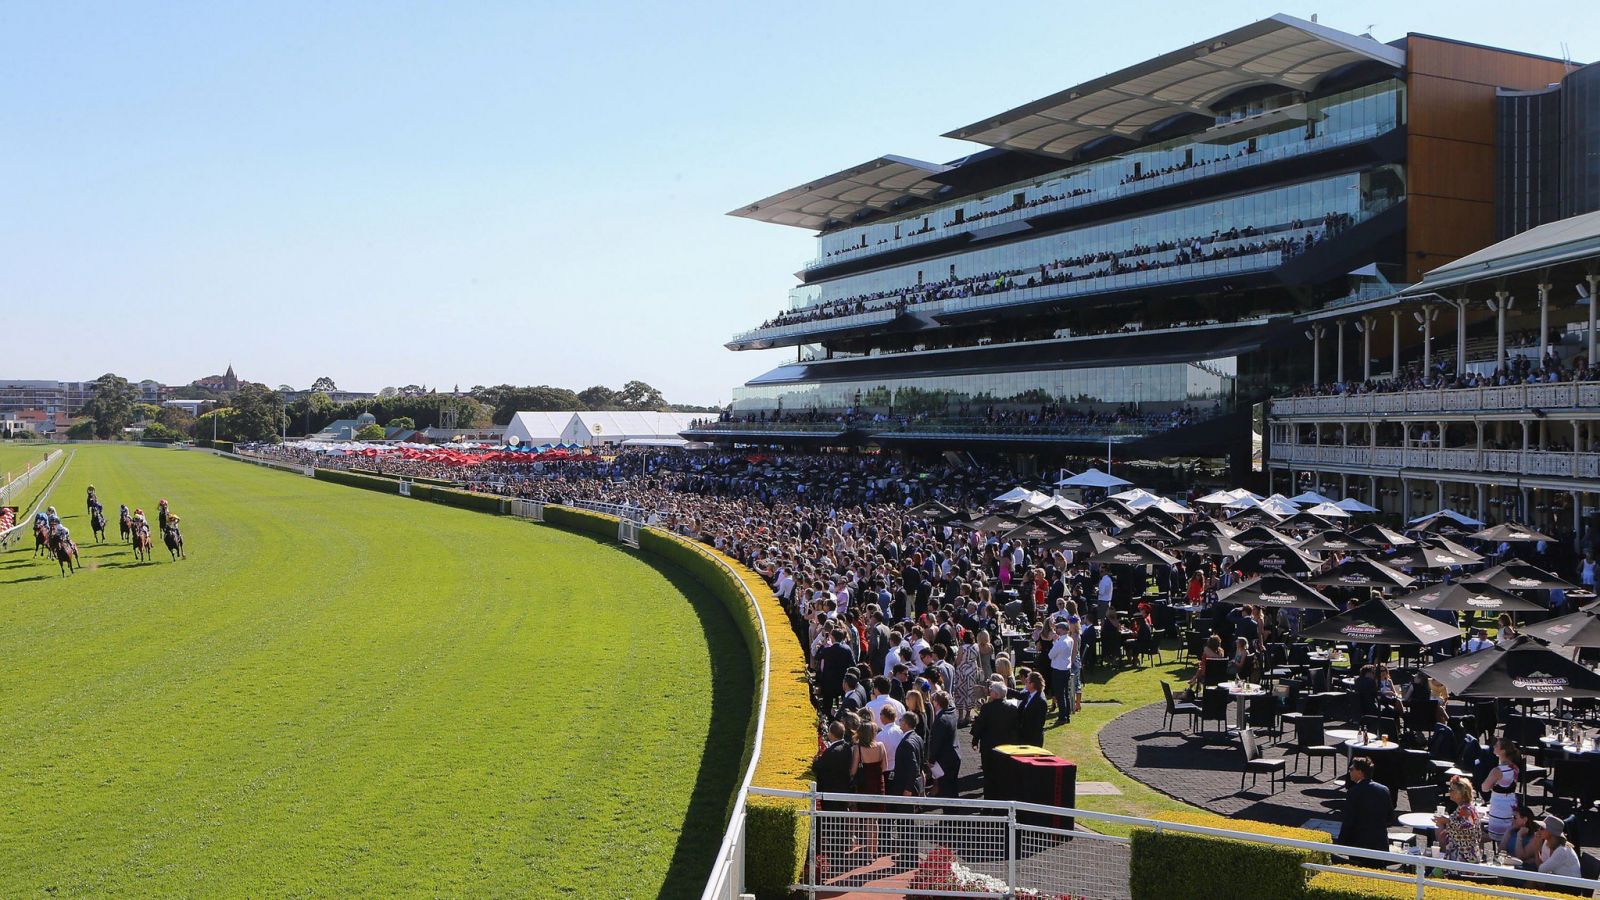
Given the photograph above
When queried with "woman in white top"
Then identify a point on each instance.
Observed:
(1556, 856)
(1501, 788)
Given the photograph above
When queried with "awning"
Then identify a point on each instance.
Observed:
(877, 185)
(1566, 240)
(1281, 51)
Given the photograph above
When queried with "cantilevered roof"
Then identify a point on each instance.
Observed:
(1566, 240)
(872, 185)
(1282, 51)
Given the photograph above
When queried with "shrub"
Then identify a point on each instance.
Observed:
(1179, 865)
(1334, 886)
(488, 503)
(581, 520)
(371, 483)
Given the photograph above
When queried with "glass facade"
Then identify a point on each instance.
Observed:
(1152, 242)
(1204, 384)
(1343, 118)
(1527, 160)
(1580, 141)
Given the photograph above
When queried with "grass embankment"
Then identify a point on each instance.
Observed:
(343, 693)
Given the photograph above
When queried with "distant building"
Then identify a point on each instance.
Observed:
(595, 429)
(226, 383)
(344, 429)
(47, 396)
(335, 396)
(1547, 152)
(192, 407)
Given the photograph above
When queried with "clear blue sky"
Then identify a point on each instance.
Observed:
(522, 192)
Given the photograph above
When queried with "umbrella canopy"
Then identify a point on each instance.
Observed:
(1352, 505)
(1280, 505)
(1133, 553)
(1518, 576)
(1363, 572)
(1310, 498)
(1209, 526)
(1171, 507)
(1034, 531)
(1056, 515)
(1380, 622)
(1452, 515)
(1526, 668)
(1157, 515)
(1104, 518)
(1579, 629)
(1379, 536)
(1510, 532)
(1262, 536)
(1084, 540)
(1428, 556)
(1255, 516)
(1304, 520)
(1276, 558)
(1135, 497)
(1212, 544)
(963, 517)
(1094, 478)
(1328, 511)
(1061, 503)
(996, 523)
(1152, 532)
(931, 509)
(1278, 591)
(1466, 597)
(1217, 498)
(1021, 493)
(1333, 542)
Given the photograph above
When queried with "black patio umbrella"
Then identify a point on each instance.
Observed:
(1441, 525)
(1424, 555)
(996, 523)
(963, 517)
(1255, 515)
(1379, 536)
(1525, 668)
(1133, 553)
(1510, 532)
(1362, 572)
(1209, 526)
(930, 509)
(1103, 519)
(1212, 545)
(1159, 516)
(1279, 592)
(1518, 576)
(1333, 542)
(1468, 597)
(1150, 532)
(1276, 558)
(1305, 520)
(1083, 540)
(1034, 531)
(1579, 629)
(1262, 536)
(1380, 622)
(1055, 515)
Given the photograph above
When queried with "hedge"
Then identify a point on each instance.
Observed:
(1335, 886)
(1180, 865)
(593, 523)
(337, 476)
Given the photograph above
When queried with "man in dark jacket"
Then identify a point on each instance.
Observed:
(995, 724)
(1032, 712)
(942, 745)
(1368, 809)
(1442, 743)
(909, 758)
(855, 696)
(832, 661)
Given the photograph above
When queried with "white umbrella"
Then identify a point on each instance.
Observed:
(1279, 506)
(1094, 478)
(1064, 504)
(1021, 494)
(1241, 493)
(1328, 511)
(1310, 497)
(1217, 498)
(1168, 505)
(1352, 505)
(1448, 514)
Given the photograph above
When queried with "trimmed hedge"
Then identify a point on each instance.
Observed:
(338, 476)
(1333, 886)
(1181, 866)
(601, 526)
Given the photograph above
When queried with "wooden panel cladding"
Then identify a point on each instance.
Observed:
(1448, 168)
(1443, 229)
(1450, 112)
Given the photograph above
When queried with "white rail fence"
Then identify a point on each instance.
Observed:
(16, 486)
(948, 847)
(24, 521)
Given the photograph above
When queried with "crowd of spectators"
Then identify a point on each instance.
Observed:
(1552, 369)
(1044, 418)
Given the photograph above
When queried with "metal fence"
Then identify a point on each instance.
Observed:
(17, 485)
(945, 847)
(528, 509)
(631, 513)
(24, 520)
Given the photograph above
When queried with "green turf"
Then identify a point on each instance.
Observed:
(344, 693)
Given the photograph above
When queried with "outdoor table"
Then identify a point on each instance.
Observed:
(1418, 821)
(1240, 695)
(1555, 743)
(1341, 735)
(1378, 746)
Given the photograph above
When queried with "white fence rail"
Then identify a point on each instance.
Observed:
(1566, 395)
(875, 844)
(528, 509)
(24, 522)
(621, 511)
(16, 486)
(253, 459)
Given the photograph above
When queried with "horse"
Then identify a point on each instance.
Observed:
(174, 539)
(41, 540)
(97, 521)
(67, 556)
(141, 542)
(126, 524)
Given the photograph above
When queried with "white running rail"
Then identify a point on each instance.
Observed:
(24, 521)
(21, 482)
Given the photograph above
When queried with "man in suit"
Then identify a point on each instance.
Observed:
(1032, 712)
(855, 696)
(833, 768)
(832, 661)
(908, 759)
(995, 724)
(1367, 810)
(942, 745)
(1442, 743)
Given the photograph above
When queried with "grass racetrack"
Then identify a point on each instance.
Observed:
(346, 693)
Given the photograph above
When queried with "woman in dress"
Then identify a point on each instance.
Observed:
(1002, 668)
(870, 760)
(1075, 631)
(1461, 832)
(968, 672)
(917, 702)
(985, 659)
(1501, 788)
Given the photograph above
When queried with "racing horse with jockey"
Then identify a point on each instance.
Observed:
(97, 522)
(125, 522)
(93, 500)
(141, 536)
(173, 537)
(66, 552)
(41, 534)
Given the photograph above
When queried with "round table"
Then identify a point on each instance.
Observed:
(1372, 745)
(1341, 735)
(1553, 743)
(1240, 695)
(1421, 821)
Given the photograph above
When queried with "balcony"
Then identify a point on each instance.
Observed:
(1527, 463)
(1509, 398)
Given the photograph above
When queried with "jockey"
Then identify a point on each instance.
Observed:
(161, 515)
(39, 518)
(51, 518)
(122, 511)
(62, 535)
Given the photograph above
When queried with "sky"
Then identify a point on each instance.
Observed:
(482, 193)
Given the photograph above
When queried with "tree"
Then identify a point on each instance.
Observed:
(156, 431)
(370, 433)
(637, 395)
(598, 397)
(217, 422)
(82, 431)
(388, 392)
(324, 384)
(285, 389)
(176, 419)
(145, 412)
(402, 422)
(257, 413)
(111, 406)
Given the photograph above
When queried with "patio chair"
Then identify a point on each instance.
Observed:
(1175, 709)
(1255, 762)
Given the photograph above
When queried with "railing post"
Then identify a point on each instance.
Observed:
(1012, 850)
(816, 823)
(1422, 883)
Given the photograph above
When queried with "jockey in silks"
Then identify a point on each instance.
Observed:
(51, 518)
(40, 518)
(161, 515)
(122, 512)
(93, 500)
(63, 538)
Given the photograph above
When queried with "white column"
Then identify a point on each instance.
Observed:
(1339, 365)
(1544, 322)
(1314, 333)
(1428, 314)
(1366, 325)
(1501, 303)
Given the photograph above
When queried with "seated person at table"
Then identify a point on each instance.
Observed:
(1112, 636)
(1556, 856)
(1442, 743)
(1478, 641)
(1387, 696)
(1461, 832)
(1243, 663)
(1524, 838)
(1367, 810)
(1212, 651)
(1367, 690)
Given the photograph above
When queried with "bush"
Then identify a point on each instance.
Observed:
(1334, 886)
(593, 523)
(488, 503)
(1179, 865)
(371, 483)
